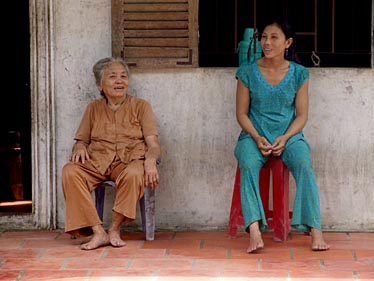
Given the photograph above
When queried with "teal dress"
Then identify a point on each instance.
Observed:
(271, 111)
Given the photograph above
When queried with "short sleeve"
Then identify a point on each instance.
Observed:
(243, 74)
(302, 74)
(83, 132)
(147, 119)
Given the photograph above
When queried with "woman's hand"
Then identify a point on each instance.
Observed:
(79, 153)
(278, 145)
(264, 146)
(151, 177)
(150, 163)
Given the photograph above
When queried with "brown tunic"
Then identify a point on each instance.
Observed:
(108, 133)
(116, 146)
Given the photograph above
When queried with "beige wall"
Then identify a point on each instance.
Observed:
(198, 130)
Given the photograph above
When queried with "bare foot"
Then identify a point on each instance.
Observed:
(115, 238)
(97, 240)
(255, 240)
(86, 239)
(318, 243)
(114, 230)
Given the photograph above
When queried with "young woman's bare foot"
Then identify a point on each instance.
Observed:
(115, 238)
(318, 243)
(255, 238)
(99, 239)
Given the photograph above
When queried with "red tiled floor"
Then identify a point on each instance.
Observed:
(183, 256)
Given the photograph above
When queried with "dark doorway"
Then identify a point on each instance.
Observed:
(15, 111)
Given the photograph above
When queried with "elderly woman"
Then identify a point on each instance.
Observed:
(117, 140)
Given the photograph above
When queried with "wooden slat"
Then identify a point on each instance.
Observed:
(153, 1)
(144, 8)
(156, 42)
(156, 25)
(156, 16)
(159, 62)
(170, 33)
(155, 52)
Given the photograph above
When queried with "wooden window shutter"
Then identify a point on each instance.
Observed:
(155, 33)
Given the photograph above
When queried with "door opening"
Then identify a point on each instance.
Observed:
(15, 114)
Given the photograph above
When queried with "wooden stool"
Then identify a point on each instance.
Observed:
(147, 207)
(277, 219)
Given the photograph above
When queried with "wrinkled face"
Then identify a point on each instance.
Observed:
(115, 81)
(273, 41)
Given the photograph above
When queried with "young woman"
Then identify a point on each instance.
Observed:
(272, 110)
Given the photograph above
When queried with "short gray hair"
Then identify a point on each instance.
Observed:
(101, 65)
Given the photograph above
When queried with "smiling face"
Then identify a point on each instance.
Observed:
(274, 41)
(114, 82)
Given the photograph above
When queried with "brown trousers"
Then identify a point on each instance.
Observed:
(78, 182)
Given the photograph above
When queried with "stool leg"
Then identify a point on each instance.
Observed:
(99, 200)
(142, 212)
(280, 201)
(147, 209)
(236, 216)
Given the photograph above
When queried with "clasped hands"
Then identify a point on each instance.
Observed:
(274, 149)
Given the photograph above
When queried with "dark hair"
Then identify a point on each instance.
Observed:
(284, 24)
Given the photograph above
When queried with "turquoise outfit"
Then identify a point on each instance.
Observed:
(271, 111)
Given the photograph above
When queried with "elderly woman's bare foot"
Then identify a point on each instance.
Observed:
(86, 239)
(115, 238)
(97, 240)
(318, 243)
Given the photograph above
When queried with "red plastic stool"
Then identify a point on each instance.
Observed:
(277, 219)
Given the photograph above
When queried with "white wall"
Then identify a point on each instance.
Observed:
(198, 130)
(341, 133)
